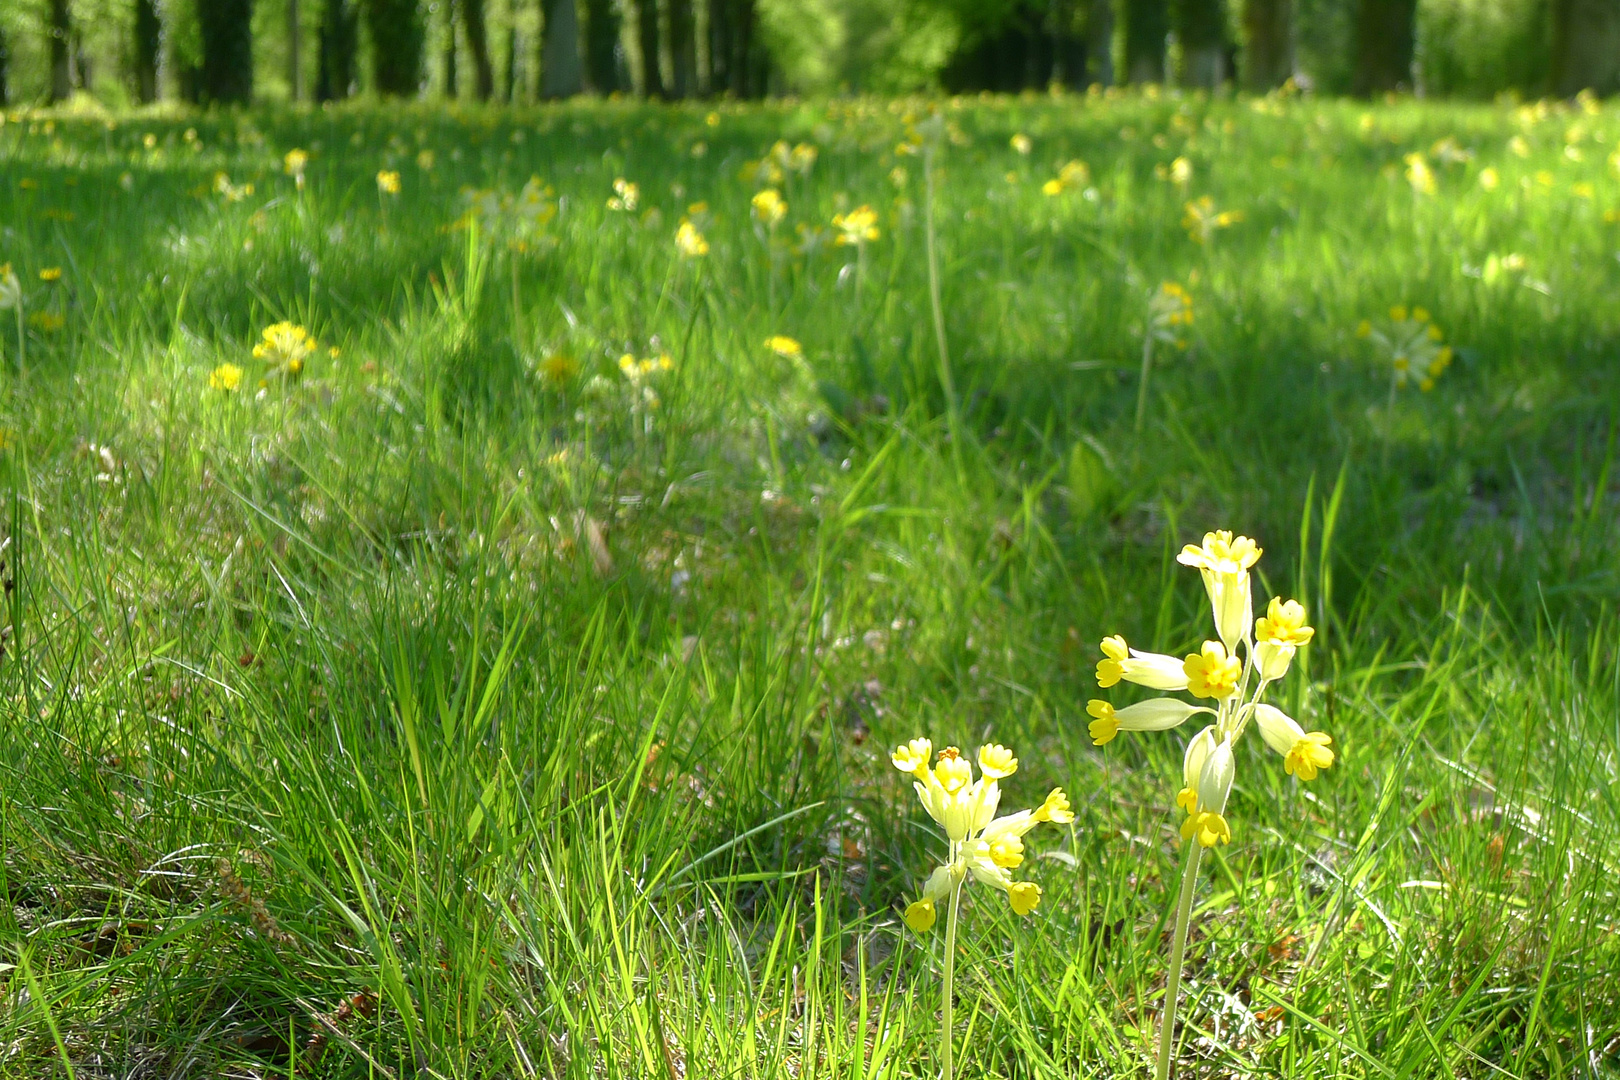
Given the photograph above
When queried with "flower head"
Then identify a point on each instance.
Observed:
(1283, 623)
(769, 207)
(785, 347)
(1156, 714)
(51, 274)
(284, 347)
(10, 288)
(1304, 753)
(1156, 671)
(1021, 144)
(388, 182)
(856, 227)
(984, 847)
(293, 165)
(625, 195)
(1211, 672)
(226, 377)
(689, 242)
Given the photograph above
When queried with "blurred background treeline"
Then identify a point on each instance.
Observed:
(121, 52)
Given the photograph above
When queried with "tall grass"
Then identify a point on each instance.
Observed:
(454, 711)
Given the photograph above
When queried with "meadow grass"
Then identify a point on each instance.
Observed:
(467, 707)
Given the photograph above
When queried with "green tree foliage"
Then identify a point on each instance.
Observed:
(227, 50)
(397, 36)
(1018, 44)
(1586, 46)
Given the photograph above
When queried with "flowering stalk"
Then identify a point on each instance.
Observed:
(947, 382)
(1237, 685)
(981, 846)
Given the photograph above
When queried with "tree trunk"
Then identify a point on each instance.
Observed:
(652, 77)
(148, 45)
(1147, 23)
(5, 69)
(602, 46)
(60, 30)
(295, 76)
(1201, 30)
(227, 45)
(720, 47)
(397, 39)
(1585, 46)
(339, 44)
(1100, 41)
(1268, 53)
(1384, 38)
(472, 15)
(683, 48)
(451, 54)
(514, 74)
(560, 72)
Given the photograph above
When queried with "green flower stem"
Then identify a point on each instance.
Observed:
(1142, 383)
(1178, 950)
(946, 1021)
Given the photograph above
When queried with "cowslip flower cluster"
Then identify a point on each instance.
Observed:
(294, 164)
(857, 227)
(284, 347)
(1074, 174)
(1170, 311)
(982, 846)
(1233, 671)
(387, 182)
(625, 195)
(10, 288)
(1414, 344)
(769, 207)
(689, 242)
(1202, 221)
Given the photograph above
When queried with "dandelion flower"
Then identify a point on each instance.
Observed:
(51, 274)
(784, 346)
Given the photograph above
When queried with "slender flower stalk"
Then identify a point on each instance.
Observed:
(1232, 671)
(982, 846)
(11, 297)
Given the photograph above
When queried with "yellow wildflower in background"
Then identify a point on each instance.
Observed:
(1202, 220)
(1419, 175)
(284, 346)
(10, 288)
(1021, 143)
(784, 346)
(226, 377)
(689, 242)
(856, 227)
(47, 322)
(388, 182)
(293, 165)
(51, 274)
(625, 195)
(769, 208)
(1412, 343)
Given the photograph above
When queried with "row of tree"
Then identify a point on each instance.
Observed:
(748, 48)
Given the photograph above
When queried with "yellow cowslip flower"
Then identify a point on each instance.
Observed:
(983, 846)
(769, 207)
(1283, 623)
(1156, 671)
(51, 274)
(1021, 143)
(1156, 714)
(1169, 311)
(1419, 175)
(689, 242)
(1202, 220)
(388, 182)
(1397, 313)
(293, 165)
(856, 227)
(1304, 753)
(226, 377)
(425, 160)
(784, 347)
(284, 347)
(802, 158)
(1181, 172)
(625, 195)
(10, 288)
(1206, 820)
(559, 368)
(1211, 672)
(1489, 178)
(1074, 174)
(1224, 564)
(48, 322)
(1364, 328)
(913, 757)
(996, 761)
